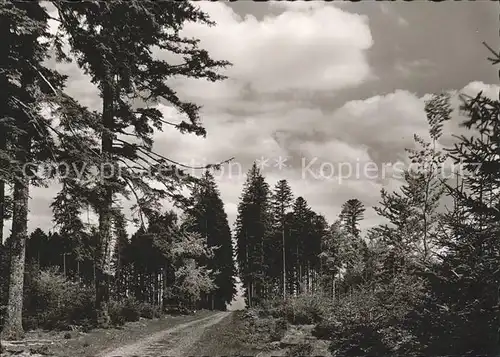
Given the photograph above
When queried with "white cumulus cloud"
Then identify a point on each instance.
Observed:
(322, 49)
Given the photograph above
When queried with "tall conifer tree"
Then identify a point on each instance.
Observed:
(124, 69)
(466, 285)
(352, 212)
(210, 220)
(25, 133)
(301, 229)
(252, 232)
(281, 203)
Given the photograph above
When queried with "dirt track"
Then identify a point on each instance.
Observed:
(170, 342)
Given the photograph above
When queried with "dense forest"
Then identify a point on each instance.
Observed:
(426, 281)
(95, 274)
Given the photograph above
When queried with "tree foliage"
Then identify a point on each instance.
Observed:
(208, 218)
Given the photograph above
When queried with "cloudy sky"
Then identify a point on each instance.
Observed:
(319, 86)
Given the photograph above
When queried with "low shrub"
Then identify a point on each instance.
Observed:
(325, 329)
(279, 329)
(301, 350)
(370, 320)
(304, 309)
(115, 310)
(86, 324)
(130, 309)
(54, 302)
(149, 311)
(300, 310)
(270, 308)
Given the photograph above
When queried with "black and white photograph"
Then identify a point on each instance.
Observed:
(249, 178)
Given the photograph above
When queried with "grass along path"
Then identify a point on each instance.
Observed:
(231, 337)
(96, 341)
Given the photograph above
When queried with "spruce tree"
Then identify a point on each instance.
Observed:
(301, 229)
(5, 119)
(37, 248)
(415, 222)
(330, 258)
(465, 285)
(351, 247)
(123, 67)
(352, 212)
(320, 230)
(252, 233)
(120, 258)
(4, 277)
(425, 184)
(281, 203)
(26, 84)
(210, 220)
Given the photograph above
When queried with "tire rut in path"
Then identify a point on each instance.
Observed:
(170, 342)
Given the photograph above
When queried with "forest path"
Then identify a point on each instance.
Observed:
(174, 341)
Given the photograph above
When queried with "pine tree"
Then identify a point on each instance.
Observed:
(3, 147)
(399, 235)
(120, 258)
(138, 255)
(252, 232)
(414, 220)
(320, 229)
(301, 229)
(37, 248)
(5, 119)
(210, 220)
(352, 248)
(150, 258)
(4, 276)
(402, 252)
(425, 186)
(352, 212)
(124, 69)
(26, 139)
(281, 203)
(163, 263)
(330, 258)
(465, 285)
(67, 216)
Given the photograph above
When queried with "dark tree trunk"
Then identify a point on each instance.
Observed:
(4, 28)
(3, 146)
(283, 259)
(105, 211)
(13, 326)
(2, 193)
